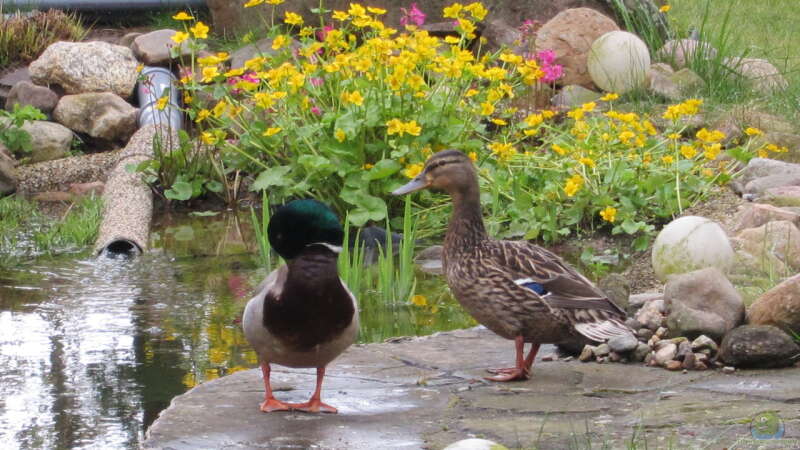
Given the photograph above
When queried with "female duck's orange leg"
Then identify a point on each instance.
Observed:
(523, 369)
(270, 402)
(314, 404)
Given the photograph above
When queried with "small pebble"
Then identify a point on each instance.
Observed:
(673, 365)
(661, 331)
(568, 358)
(644, 334)
(728, 369)
(602, 350)
(548, 357)
(587, 353)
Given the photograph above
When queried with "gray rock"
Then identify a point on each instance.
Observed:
(779, 239)
(587, 353)
(684, 348)
(689, 361)
(755, 189)
(499, 34)
(8, 177)
(662, 80)
(100, 115)
(602, 350)
(780, 306)
(262, 47)
(644, 334)
(758, 346)
(636, 301)
(573, 95)
(49, 140)
(623, 343)
(81, 67)
(127, 40)
(704, 342)
(27, 93)
(763, 76)
(752, 215)
(702, 302)
(429, 260)
(673, 365)
(665, 353)
(617, 288)
(651, 315)
(153, 48)
(765, 167)
(641, 352)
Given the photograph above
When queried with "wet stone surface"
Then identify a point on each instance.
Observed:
(427, 392)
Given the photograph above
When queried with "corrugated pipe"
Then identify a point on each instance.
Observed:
(96, 5)
(128, 200)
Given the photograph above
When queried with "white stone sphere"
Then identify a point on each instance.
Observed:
(475, 444)
(691, 243)
(618, 61)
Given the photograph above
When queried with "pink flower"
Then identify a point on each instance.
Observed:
(316, 82)
(546, 57)
(413, 14)
(316, 111)
(323, 33)
(552, 72)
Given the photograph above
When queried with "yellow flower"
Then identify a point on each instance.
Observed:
(252, 3)
(340, 15)
(452, 39)
(139, 68)
(274, 2)
(667, 160)
(503, 151)
(202, 115)
(292, 18)
(395, 126)
(665, 8)
(487, 108)
(609, 214)
(500, 122)
(179, 37)
(674, 136)
(688, 151)
(558, 149)
(412, 170)
(412, 128)
(208, 138)
(571, 187)
(234, 72)
(610, 96)
(209, 73)
(712, 151)
(161, 103)
(534, 119)
(279, 42)
(419, 300)
(182, 16)
(750, 131)
(357, 10)
(710, 136)
(473, 156)
(306, 31)
(470, 92)
(477, 10)
(339, 135)
(453, 11)
(199, 30)
(187, 99)
(589, 162)
(271, 131)
(762, 152)
(367, 166)
(353, 97)
(588, 107)
(376, 11)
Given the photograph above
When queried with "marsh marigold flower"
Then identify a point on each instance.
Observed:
(179, 37)
(688, 151)
(750, 131)
(271, 131)
(279, 42)
(274, 2)
(609, 214)
(340, 135)
(353, 97)
(292, 18)
(161, 103)
(609, 97)
(183, 16)
(419, 300)
(473, 156)
(209, 73)
(199, 30)
(252, 3)
(487, 108)
(665, 8)
(412, 170)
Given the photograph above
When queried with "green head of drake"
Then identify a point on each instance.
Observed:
(300, 223)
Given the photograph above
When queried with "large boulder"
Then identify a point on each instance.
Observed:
(752, 215)
(80, 67)
(571, 34)
(49, 141)
(153, 48)
(101, 115)
(680, 52)
(780, 306)
(573, 96)
(702, 302)
(779, 238)
(8, 176)
(27, 93)
(664, 81)
(762, 75)
(618, 61)
(690, 243)
(758, 346)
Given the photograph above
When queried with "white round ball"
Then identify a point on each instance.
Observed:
(618, 61)
(691, 243)
(475, 444)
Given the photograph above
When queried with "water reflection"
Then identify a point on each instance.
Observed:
(91, 350)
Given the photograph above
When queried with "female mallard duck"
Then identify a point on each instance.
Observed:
(303, 314)
(516, 289)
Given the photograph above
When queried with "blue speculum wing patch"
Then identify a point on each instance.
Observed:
(535, 287)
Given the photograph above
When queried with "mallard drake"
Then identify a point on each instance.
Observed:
(303, 314)
(516, 289)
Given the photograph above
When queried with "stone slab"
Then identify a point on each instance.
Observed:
(428, 392)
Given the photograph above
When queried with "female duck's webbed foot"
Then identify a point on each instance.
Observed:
(522, 371)
(314, 404)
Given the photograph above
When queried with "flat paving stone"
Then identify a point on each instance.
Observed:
(428, 392)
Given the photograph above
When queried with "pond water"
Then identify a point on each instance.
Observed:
(91, 350)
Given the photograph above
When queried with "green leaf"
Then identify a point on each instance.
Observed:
(184, 233)
(630, 227)
(274, 176)
(214, 186)
(641, 243)
(383, 168)
(180, 190)
(316, 163)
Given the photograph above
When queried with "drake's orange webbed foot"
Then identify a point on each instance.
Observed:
(273, 404)
(314, 406)
(509, 374)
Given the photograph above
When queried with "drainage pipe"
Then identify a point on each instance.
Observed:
(127, 199)
(100, 5)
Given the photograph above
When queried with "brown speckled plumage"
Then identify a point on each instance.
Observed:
(487, 275)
